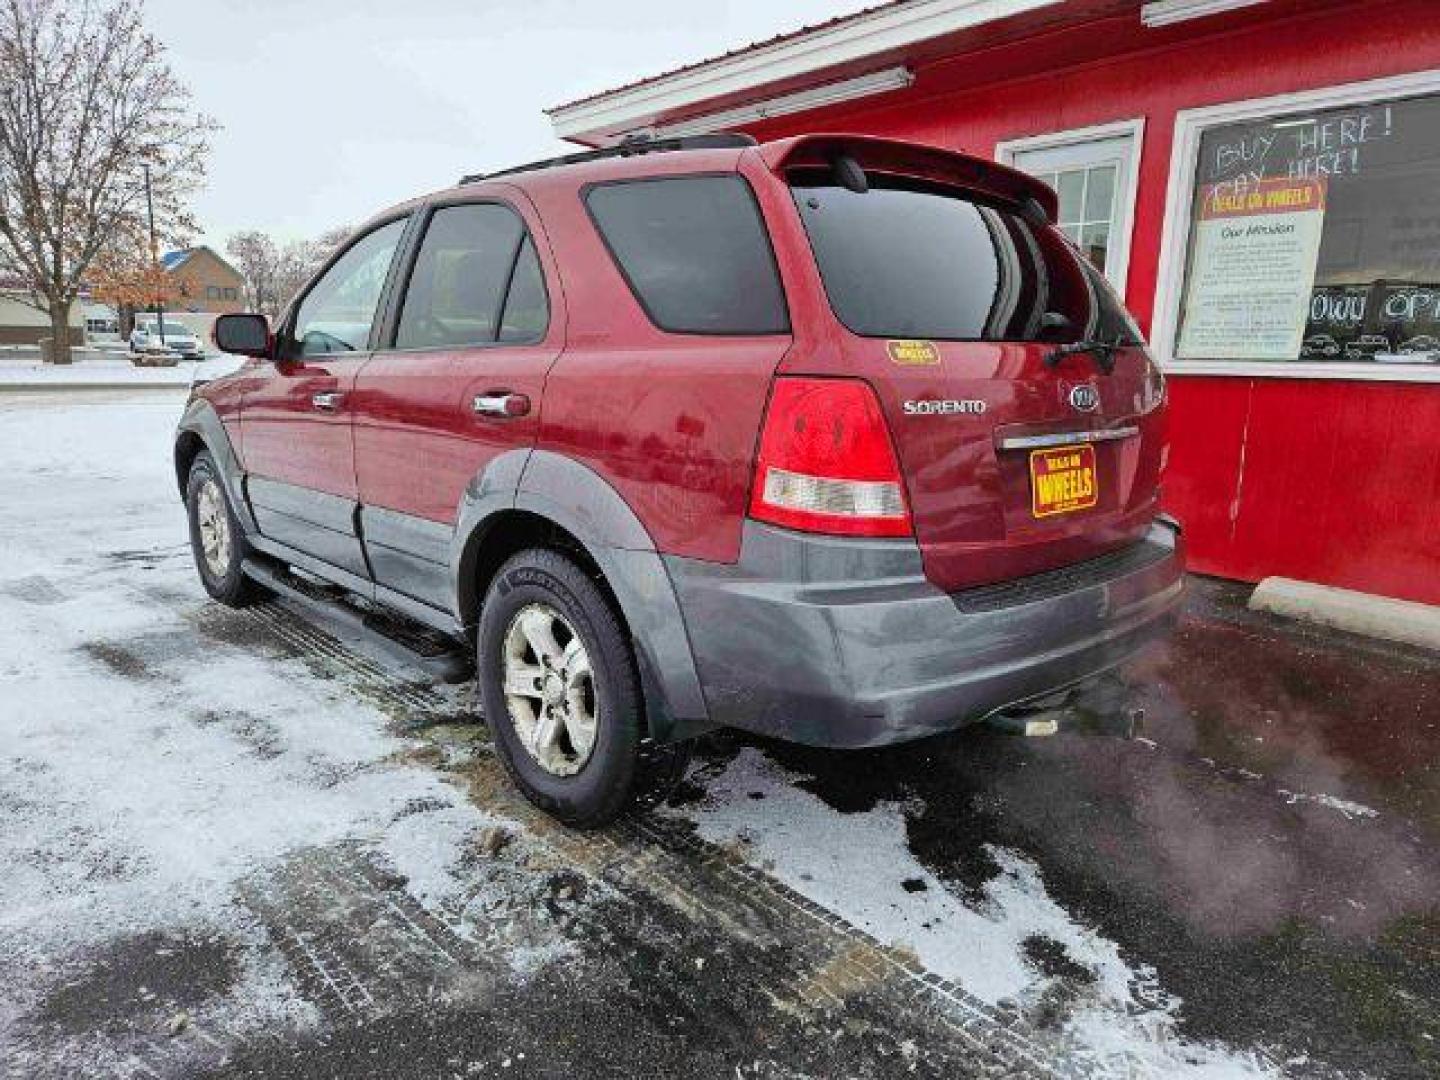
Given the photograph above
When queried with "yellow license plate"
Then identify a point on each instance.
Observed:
(1063, 479)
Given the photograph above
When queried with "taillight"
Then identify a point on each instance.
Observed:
(826, 463)
(1154, 383)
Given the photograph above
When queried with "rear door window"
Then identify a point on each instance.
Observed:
(908, 259)
(695, 253)
(476, 280)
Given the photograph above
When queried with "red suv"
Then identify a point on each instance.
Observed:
(834, 439)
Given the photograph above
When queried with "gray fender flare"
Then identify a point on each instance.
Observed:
(201, 420)
(580, 501)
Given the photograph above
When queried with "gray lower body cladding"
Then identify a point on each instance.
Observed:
(845, 643)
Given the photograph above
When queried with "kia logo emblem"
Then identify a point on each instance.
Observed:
(1084, 398)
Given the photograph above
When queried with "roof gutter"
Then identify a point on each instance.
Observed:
(648, 105)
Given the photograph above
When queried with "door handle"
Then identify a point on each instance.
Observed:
(328, 401)
(501, 403)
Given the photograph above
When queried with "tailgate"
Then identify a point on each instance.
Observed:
(1031, 482)
(953, 302)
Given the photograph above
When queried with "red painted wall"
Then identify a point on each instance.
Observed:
(1324, 480)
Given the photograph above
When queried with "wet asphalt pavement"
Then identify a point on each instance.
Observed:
(1262, 859)
(1308, 924)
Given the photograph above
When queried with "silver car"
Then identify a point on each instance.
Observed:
(178, 338)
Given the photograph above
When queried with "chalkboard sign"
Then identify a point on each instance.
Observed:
(1337, 318)
(1408, 316)
(1388, 322)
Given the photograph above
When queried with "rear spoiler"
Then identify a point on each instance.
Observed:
(911, 159)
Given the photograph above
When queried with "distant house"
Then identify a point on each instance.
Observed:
(207, 283)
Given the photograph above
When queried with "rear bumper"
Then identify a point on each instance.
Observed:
(845, 643)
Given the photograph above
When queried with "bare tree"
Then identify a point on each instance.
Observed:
(87, 102)
(257, 257)
(300, 260)
(274, 274)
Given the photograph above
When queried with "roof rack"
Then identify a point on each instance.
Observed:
(720, 140)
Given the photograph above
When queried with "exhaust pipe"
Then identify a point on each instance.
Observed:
(1101, 706)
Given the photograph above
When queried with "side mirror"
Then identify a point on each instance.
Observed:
(243, 335)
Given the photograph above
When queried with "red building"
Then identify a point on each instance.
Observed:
(1261, 178)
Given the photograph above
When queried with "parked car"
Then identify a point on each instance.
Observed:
(1421, 349)
(1319, 347)
(1367, 347)
(834, 439)
(178, 339)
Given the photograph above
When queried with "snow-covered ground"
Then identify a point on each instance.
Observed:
(147, 768)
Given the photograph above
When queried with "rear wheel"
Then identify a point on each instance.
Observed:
(561, 694)
(216, 539)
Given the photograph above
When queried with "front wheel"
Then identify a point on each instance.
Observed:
(216, 539)
(560, 690)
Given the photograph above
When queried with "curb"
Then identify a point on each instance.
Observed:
(1359, 613)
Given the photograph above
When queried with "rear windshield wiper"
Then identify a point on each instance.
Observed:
(1103, 352)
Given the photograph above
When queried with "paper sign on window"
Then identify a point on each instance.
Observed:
(1252, 270)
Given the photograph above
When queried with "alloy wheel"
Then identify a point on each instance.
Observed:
(213, 520)
(550, 689)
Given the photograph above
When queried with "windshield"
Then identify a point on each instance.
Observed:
(909, 259)
(172, 329)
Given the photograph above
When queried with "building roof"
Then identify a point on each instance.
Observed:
(754, 46)
(894, 52)
(870, 43)
(173, 260)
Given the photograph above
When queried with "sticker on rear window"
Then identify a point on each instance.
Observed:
(913, 353)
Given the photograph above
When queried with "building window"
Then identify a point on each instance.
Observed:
(231, 294)
(1305, 236)
(212, 292)
(1093, 172)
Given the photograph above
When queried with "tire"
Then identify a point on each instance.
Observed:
(210, 516)
(574, 746)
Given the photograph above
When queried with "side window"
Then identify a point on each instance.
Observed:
(476, 281)
(695, 253)
(527, 308)
(336, 315)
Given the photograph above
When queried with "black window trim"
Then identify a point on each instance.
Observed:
(789, 328)
(395, 303)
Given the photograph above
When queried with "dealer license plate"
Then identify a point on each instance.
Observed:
(1063, 479)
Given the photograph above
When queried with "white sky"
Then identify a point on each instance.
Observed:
(334, 109)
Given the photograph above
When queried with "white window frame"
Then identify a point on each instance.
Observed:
(1190, 124)
(1117, 269)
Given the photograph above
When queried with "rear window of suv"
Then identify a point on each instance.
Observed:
(694, 251)
(908, 259)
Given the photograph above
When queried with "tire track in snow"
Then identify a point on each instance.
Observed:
(833, 959)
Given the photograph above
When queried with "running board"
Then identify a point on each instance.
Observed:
(444, 658)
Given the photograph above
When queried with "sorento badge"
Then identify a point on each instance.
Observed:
(968, 406)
